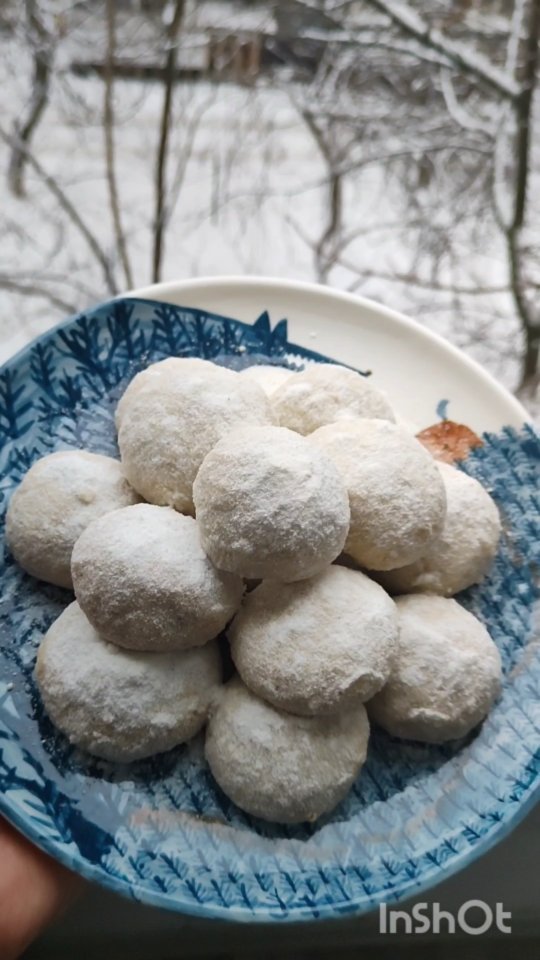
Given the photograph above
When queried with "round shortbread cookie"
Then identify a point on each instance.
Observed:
(325, 393)
(446, 674)
(144, 582)
(464, 550)
(270, 505)
(118, 705)
(315, 646)
(278, 766)
(59, 496)
(396, 492)
(171, 420)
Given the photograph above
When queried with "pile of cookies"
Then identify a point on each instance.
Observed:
(291, 511)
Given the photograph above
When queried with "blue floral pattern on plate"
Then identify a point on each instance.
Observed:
(161, 831)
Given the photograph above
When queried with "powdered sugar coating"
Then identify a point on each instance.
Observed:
(143, 580)
(446, 675)
(173, 419)
(315, 646)
(163, 370)
(464, 550)
(268, 376)
(57, 499)
(117, 705)
(396, 493)
(270, 505)
(279, 766)
(326, 393)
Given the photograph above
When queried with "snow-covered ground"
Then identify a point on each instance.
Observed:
(250, 198)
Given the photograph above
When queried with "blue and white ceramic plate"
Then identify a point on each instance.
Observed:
(160, 831)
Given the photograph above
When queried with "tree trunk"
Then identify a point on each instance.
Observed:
(530, 377)
(109, 130)
(325, 250)
(524, 121)
(529, 380)
(160, 213)
(23, 128)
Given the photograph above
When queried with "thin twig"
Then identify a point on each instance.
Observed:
(324, 254)
(66, 205)
(189, 137)
(409, 279)
(36, 290)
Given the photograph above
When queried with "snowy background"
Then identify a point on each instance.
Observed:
(320, 140)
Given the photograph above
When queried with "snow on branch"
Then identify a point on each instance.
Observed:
(516, 27)
(466, 60)
(376, 39)
(451, 52)
(458, 112)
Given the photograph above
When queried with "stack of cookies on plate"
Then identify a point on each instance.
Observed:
(289, 512)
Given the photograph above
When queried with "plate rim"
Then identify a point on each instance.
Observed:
(333, 293)
(261, 915)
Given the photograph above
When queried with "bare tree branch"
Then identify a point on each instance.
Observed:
(164, 132)
(23, 128)
(108, 129)
(506, 141)
(404, 16)
(410, 279)
(72, 283)
(457, 111)
(470, 62)
(189, 135)
(324, 254)
(30, 289)
(403, 154)
(69, 209)
(353, 39)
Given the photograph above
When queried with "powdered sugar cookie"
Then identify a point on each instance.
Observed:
(396, 493)
(169, 422)
(446, 674)
(144, 582)
(271, 505)
(163, 370)
(464, 550)
(315, 646)
(324, 393)
(57, 499)
(117, 705)
(268, 376)
(278, 766)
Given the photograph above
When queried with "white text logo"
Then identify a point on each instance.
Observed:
(474, 917)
